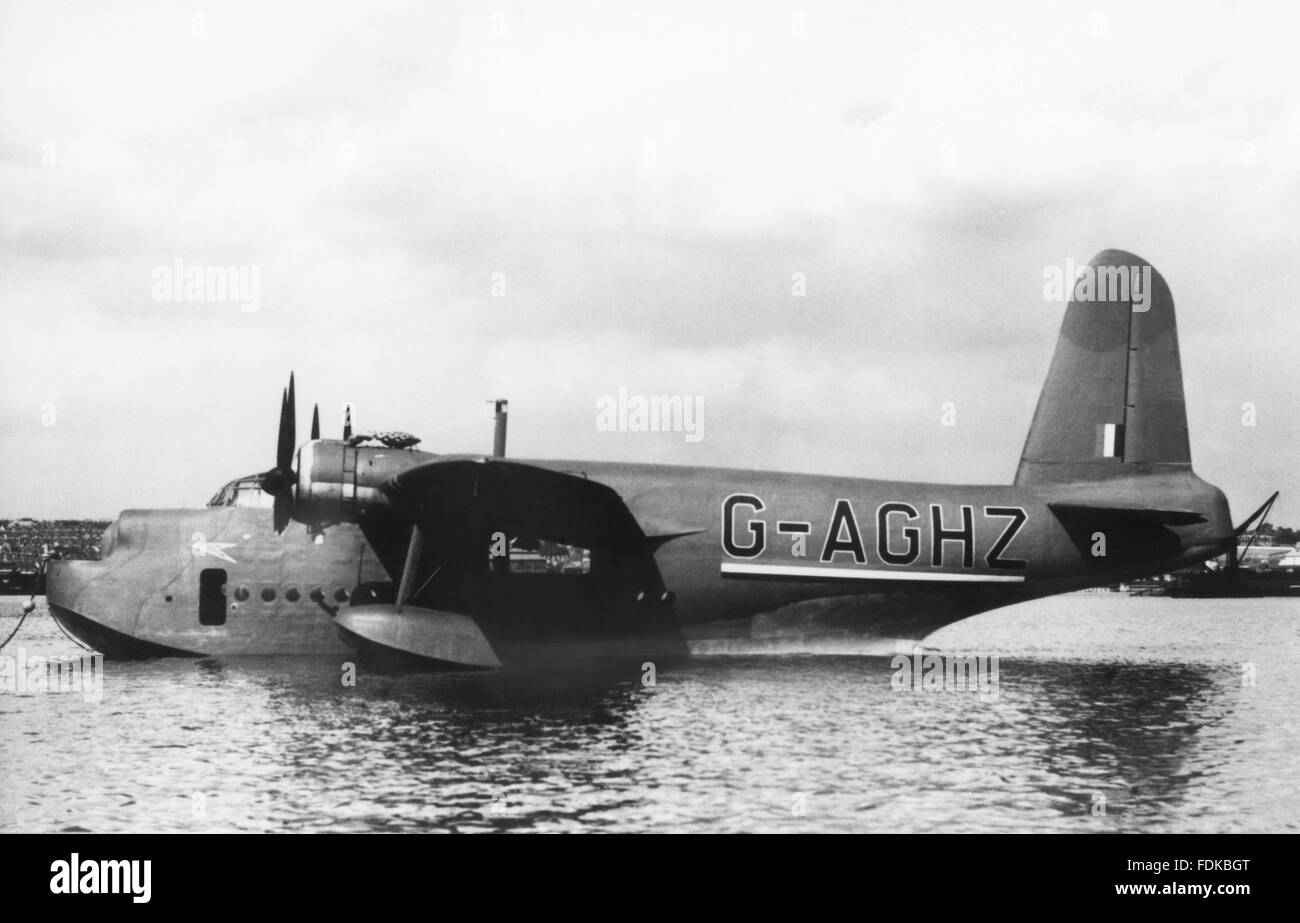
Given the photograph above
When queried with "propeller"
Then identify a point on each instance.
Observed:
(315, 421)
(279, 482)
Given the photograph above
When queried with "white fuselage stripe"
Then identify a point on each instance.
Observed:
(858, 573)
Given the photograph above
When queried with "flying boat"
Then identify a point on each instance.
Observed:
(367, 545)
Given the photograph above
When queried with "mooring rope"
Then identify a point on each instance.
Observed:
(84, 647)
(28, 607)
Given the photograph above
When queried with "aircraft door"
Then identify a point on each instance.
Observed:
(212, 596)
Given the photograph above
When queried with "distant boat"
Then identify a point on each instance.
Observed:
(20, 581)
(1230, 582)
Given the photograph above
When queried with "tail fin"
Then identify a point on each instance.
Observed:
(1112, 405)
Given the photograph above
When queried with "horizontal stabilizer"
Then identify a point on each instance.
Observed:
(436, 638)
(1124, 513)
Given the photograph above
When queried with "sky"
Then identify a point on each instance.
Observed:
(829, 223)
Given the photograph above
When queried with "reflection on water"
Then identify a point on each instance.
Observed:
(1111, 714)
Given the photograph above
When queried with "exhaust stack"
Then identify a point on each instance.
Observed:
(499, 434)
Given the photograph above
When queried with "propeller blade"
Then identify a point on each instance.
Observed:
(280, 481)
(283, 506)
(315, 421)
(293, 425)
(284, 445)
(347, 421)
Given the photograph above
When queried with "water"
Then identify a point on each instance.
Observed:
(1112, 714)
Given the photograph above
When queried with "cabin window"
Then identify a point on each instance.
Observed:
(268, 594)
(341, 595)
(241, 593)
(291, 594)
(541, 556)
(212, 596)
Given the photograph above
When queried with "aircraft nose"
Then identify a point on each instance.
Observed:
(92, 603)
(65, 581)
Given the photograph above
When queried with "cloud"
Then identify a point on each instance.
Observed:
(454, 202)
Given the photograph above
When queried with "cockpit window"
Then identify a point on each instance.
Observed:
(244, 492)
(108, 541)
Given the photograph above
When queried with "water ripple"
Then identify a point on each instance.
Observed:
(1112, 714)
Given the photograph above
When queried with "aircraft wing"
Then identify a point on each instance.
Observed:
(456, 533)
(507, 496)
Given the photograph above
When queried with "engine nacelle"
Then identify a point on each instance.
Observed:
(338, 482)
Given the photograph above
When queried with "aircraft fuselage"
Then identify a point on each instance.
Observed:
(729, 546)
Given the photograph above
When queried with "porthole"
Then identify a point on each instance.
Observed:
(241, 593)
(292, 594)
(341, 595)
(317, 594)
(268, 594)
